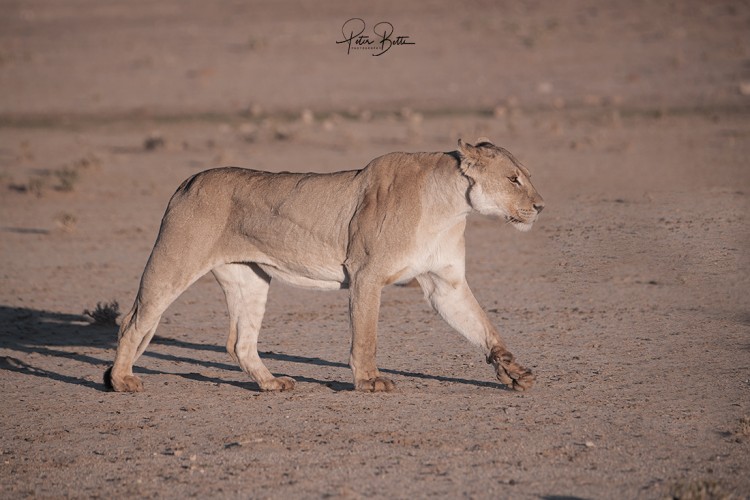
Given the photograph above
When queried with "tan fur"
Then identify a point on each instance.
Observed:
(401, 217)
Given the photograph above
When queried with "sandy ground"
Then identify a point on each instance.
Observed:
(629, 298)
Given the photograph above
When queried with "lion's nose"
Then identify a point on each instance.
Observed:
(539, 206)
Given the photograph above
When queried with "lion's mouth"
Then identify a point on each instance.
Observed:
(520, 224)
(517, 219)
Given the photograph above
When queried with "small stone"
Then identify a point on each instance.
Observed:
(247, 128)
(154, 142)
(307, 117)
(255, 110)
(593, 100)
(365, 115)
(544, 87)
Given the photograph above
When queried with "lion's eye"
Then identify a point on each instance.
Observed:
(514, 180)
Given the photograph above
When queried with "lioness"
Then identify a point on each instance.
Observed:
(402, 216)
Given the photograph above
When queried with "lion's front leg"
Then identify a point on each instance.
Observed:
(508, 371)
(450, 296)
(364, 306)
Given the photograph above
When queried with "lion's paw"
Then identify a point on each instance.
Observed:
(128, 383)
(377, 384)
(278, 384)
(508, 371)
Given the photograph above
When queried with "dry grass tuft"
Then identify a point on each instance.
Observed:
(104, 314)
(66, 178)
(698, 490)
(743, 429)
(66, 221)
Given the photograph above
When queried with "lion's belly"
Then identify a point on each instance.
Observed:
(317, 277)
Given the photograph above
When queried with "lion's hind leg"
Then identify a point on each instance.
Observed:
(136, 331)
(246, 289)
(163, 281)
(138, 328)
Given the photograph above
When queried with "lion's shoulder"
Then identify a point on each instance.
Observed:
(407, 170)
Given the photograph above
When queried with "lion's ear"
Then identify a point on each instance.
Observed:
(484, 140)
(470, 156)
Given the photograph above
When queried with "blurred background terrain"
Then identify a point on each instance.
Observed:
(629, 297)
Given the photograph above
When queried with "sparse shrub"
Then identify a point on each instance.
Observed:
(105, 313)
(33, 185)
(67, 177)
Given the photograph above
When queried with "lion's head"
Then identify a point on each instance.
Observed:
(500, 185)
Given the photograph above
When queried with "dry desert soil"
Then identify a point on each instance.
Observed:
(629, 298)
